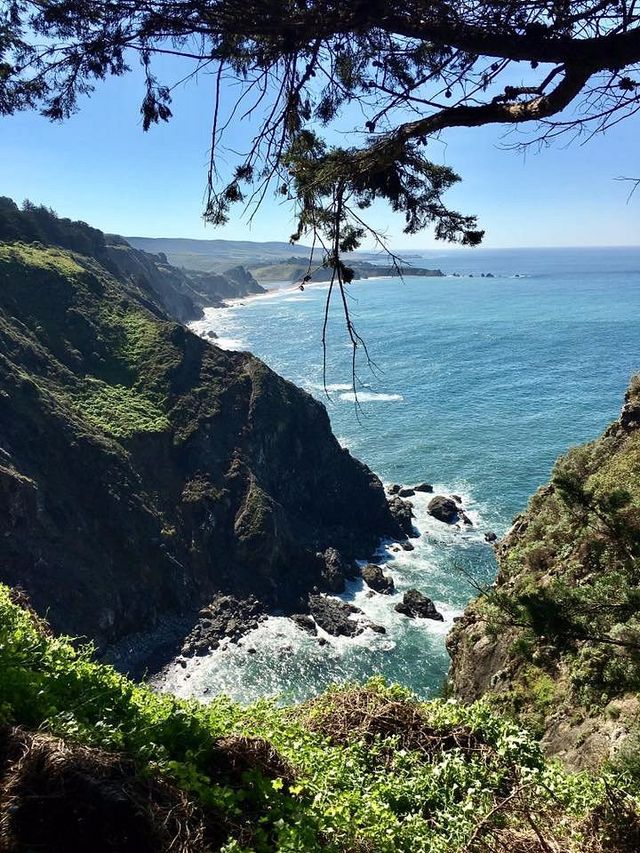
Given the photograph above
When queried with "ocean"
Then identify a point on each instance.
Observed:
(478, 385)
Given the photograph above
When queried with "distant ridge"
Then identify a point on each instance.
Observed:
(213, 254)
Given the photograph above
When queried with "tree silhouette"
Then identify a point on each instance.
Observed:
(414, 69)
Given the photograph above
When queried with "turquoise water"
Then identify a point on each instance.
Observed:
(481, 384)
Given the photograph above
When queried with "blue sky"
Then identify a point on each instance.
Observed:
(99, 166)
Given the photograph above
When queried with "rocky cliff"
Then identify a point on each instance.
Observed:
(142, 469)
(556, 641)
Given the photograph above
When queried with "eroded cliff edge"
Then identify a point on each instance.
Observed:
(143, 470)
(556, 641)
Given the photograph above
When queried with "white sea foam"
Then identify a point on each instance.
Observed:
(370, 397)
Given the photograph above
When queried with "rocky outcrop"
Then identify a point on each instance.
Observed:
(402, 512)
(375, 578)
(444, 509)
(334, 570)
(225, 618)
(416, 604)
(143, 471)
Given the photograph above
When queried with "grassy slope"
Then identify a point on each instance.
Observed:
(557, 641)
(357, 770)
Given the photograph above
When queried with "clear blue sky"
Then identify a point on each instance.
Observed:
(99, 166)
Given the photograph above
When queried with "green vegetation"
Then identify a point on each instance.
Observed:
(121, 411)
(41, 257)
(114, 347)
(359, 769)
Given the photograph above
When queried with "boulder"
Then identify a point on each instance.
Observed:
(466, 520)
(406, 492)
(457, 499)
(393, 489)
(490, 536)
(407, 546)
(415, 604)
(423, 487)
(373, 576)
(442, 508)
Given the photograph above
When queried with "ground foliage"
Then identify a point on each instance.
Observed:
(358, 769)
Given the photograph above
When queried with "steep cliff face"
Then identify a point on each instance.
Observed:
(143, 469)
(556, 642)
(182, 293)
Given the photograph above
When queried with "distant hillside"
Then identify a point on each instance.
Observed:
(271, 261)
(217, 254)
(266, 262)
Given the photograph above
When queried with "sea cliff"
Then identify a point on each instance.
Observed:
(142, 469)
(556, 641)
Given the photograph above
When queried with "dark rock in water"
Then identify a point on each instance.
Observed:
(333, 616)
(322, 641)
(305, 622)
(490, 275)
(406, 493)
(211, 334)
(402, 511)
(444, 509)
(423, 487)
(466, 520)
(251, 650)
(415, 604)
(333, 570)
(457, 499)
(373, 576)
(490, 537)
(393, 489)
(407, 546)
(378, 629)
(226, 617)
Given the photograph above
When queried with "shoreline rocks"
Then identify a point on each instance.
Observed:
(226, 618)
(423, 487)
(334, 617)
(402, 511)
